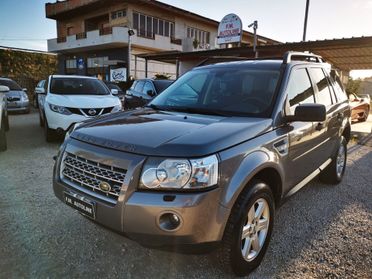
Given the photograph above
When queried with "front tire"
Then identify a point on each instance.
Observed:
(3, 143)
(49, 133)
(6, 123)
(249, 229)
(334, 173)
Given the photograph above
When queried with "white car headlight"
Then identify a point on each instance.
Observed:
(116, 108)
(180, 174)
(59, 109)
(24, 97)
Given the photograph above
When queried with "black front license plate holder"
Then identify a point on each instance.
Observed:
(81, 204)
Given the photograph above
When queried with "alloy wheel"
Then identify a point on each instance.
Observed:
(255, 229)
(340, 163)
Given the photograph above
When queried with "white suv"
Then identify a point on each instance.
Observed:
(67, 100)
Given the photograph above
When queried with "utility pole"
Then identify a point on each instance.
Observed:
(255, 26)
(305, 22)
(130, 34)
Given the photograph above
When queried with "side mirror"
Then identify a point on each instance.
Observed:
(114, 91)
(40, 91)
(151, 93)
(4, 89)
(309, 113)
(24, 89)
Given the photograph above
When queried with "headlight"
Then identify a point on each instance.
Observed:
(59, 109)
(116, 108)
(24, 97)
(179, 174)
(71, 130)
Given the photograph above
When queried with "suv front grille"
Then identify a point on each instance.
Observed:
(90, 175)
(90, 111)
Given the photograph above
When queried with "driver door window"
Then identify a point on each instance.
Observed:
(299, 90)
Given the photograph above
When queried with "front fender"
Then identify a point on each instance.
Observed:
(249, 165)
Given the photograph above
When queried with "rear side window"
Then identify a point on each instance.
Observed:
(339, 89)
(299, 90)
(323, 96)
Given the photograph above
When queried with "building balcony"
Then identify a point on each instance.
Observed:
(107, 37)
(156, 42)
(111, 37)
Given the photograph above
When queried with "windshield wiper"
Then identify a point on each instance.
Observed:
(198, 111)
(155, 107)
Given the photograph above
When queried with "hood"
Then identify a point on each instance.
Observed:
(15, 94)
(171, 134)
(83, 101)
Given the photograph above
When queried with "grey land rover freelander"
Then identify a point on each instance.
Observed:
(207, 161)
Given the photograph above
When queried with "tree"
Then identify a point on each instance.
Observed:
(162, 76)
(353, 86)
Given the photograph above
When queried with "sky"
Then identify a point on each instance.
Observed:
(23, 23)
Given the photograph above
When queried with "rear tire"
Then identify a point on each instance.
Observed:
(334, 172)
(49, 133)
(35, 102)
(41, 122)
(248, 230)
(3, 143)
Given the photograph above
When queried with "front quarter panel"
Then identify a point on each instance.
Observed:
(241, 163)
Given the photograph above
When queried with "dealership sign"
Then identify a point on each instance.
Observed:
(230, 30)
(117, 75)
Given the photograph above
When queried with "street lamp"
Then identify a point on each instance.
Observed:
(305, 21)
(130, 34)
(254, 24)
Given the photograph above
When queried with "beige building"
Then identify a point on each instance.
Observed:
(93, 35)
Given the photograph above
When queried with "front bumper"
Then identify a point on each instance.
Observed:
(57, 121)
(18, 106)
(137, 214)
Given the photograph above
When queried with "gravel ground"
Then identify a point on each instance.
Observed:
(322, 231)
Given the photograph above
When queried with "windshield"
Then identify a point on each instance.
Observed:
(226, 91)
(81, 86)
(11, 84)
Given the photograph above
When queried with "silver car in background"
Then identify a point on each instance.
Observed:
(17, 99)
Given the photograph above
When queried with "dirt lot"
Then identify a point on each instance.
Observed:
(322, 231)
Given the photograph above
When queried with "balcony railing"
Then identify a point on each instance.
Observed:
(112, 35)
(81, 36)
(145, 34)
(105, 31)
(61, 39)
(176, 41)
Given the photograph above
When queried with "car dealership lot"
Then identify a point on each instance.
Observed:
(325, 231)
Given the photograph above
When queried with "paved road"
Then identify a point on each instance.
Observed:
(322, 231)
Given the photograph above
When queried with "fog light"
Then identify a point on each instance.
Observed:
(169, 221)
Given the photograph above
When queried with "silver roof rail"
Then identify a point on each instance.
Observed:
(287, 58)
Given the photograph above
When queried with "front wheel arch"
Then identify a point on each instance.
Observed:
(256, 165)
